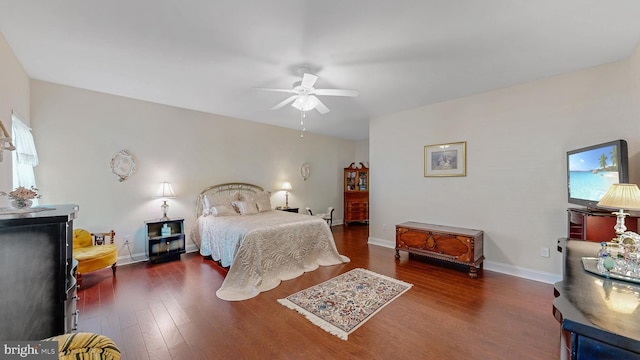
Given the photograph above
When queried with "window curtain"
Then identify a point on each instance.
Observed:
(25, 157)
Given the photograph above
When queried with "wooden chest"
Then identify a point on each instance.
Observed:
(457, 245)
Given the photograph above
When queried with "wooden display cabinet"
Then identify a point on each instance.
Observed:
(356, 194)
(165, 245)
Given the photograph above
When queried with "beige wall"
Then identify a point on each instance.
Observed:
(362, 152)
(78, 131)
(517, 139)
(14, 96)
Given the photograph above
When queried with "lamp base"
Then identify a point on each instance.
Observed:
(164, 208)
(620, 227)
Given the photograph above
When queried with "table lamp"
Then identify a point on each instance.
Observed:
(286, 186)
(620, 197)
(165, 192)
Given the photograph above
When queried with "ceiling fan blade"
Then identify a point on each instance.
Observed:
(321, 107)
(284, 102)
(272, 89)
(336, 92)
(308, 80)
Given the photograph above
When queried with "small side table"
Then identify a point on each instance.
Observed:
(293, 210)
(168, 244)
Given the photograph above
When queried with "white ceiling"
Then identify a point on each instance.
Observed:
(208, 55)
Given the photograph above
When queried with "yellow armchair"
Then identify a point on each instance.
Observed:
(85, 346)
(94, 251)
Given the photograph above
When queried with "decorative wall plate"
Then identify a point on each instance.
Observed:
(305, 171)
(123, 165)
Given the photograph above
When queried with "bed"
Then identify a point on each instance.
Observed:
(236, 227)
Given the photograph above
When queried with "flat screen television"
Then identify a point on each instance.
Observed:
(592, 170)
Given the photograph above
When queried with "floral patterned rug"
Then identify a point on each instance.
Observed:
(340, 305)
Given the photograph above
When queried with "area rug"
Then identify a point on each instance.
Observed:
(342, 304)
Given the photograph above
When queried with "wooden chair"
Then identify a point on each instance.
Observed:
(94, 251)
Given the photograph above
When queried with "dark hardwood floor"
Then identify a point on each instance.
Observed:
(170, 311)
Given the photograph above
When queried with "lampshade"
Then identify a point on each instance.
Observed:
(621, 196)
(286, 186)
(165, 191)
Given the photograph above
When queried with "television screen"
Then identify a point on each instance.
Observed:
(592, 170)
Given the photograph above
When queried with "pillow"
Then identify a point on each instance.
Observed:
(246, 207)
(263, 200)
(81, 238)
(223, 210)
(245, 196)
(222, 199)
(206, 204)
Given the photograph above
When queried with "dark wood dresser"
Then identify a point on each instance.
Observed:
(600, 317)
(453, 244)
(590, 225)
(37, 274)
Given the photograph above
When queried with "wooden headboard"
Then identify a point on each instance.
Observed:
(226, 189)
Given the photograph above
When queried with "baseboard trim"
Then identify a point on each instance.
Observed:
(522, 272)
(526, 273)
(381, 242)
(519, 271)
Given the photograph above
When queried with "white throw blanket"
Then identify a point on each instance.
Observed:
(264, 249)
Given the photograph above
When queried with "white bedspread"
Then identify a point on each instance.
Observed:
(264, 249)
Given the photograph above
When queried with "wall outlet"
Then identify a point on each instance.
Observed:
(384, 227)
(126, 239)
(544, 252)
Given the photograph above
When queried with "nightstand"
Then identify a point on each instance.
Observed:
(293, 210)
(165, 239)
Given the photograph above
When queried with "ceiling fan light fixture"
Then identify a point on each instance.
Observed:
(304, 95)
(305, 103)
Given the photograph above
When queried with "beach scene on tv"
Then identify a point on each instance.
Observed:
(592, 172)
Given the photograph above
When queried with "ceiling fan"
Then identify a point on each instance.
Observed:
(304, 95)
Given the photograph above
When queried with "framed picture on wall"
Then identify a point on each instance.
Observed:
(445, 159)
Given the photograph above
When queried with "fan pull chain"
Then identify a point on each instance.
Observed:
(302, 128)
